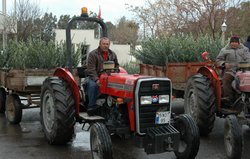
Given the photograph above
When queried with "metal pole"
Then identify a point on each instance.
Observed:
(15, 8)
(15, 20)
(223, 38)
(4, 23)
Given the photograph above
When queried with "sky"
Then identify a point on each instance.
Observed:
(111, 10)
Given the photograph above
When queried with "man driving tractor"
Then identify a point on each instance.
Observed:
(94, 67)
(227, 60)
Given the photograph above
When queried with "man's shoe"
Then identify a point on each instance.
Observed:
(92, 111)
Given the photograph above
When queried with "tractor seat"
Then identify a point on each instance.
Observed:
(81, 71)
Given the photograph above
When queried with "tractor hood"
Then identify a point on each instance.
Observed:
(119, 84)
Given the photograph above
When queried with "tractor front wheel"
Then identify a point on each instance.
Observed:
(57, 111)
(233, 138)
(199, 102)
(189, 137)
(100, 142)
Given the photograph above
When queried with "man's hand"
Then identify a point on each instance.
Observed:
(98, 82)
(229, 65)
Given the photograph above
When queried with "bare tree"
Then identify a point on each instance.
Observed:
(125, 32)
(27, 12)
(164, 17)
(148, 16)
(238, 20)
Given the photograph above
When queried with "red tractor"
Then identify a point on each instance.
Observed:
(130, 106)
(203, 102)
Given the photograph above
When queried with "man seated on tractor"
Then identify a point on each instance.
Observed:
(95, 62)
(227, 60)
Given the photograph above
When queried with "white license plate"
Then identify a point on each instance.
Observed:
(162, 117)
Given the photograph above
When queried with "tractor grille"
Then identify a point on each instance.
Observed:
(146, 87)
(146, 113)
(147, 117)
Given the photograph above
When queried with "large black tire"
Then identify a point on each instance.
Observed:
(57, 111)
(189, 137)
(100, 142)
(13, 109)
(199, 102)
(2, 100)
(233, 138)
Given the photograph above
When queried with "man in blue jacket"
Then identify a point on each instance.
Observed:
(247, 43)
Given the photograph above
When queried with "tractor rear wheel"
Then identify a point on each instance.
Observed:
(233, 138)
(57, 111)
(199, 100)
(100, 142)
(189, 137)
(13, 109)
(2, 100)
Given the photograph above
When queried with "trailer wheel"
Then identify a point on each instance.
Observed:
(2, 100)
(199, 102)
(189, 137)
(100, 142)
(233, 138)
(57, 111)
(13, 109)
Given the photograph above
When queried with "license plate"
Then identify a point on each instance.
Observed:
(162, 117)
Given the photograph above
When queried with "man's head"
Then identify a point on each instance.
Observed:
(234, 42)
(104, 44)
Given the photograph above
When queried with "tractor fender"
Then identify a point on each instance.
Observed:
(66, 75)
(210, 73)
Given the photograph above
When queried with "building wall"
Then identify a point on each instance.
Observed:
(7, 22)
(87, 37)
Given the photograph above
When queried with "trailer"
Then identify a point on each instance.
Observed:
(20, 89)
(179, 73)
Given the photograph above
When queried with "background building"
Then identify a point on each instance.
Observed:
(87, 38)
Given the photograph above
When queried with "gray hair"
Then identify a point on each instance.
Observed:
(104, 38)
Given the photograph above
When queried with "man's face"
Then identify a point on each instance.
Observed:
(234, 45)
(104, 45)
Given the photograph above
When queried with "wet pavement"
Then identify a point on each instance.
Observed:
(26, 141)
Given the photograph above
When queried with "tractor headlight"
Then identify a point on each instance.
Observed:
(146, 100)
(163, 98)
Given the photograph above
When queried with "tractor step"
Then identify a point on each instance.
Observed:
(84, 117)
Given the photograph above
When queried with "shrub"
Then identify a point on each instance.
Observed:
(131, 68)
(159, 51)
(36, 54)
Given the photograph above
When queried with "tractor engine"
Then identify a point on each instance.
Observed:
(152, 96)
(243, 81)
(241, 85)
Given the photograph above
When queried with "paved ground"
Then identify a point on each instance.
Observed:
(26, 141)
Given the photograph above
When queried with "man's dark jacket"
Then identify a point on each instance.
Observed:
(95, 62)
(247, 44)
